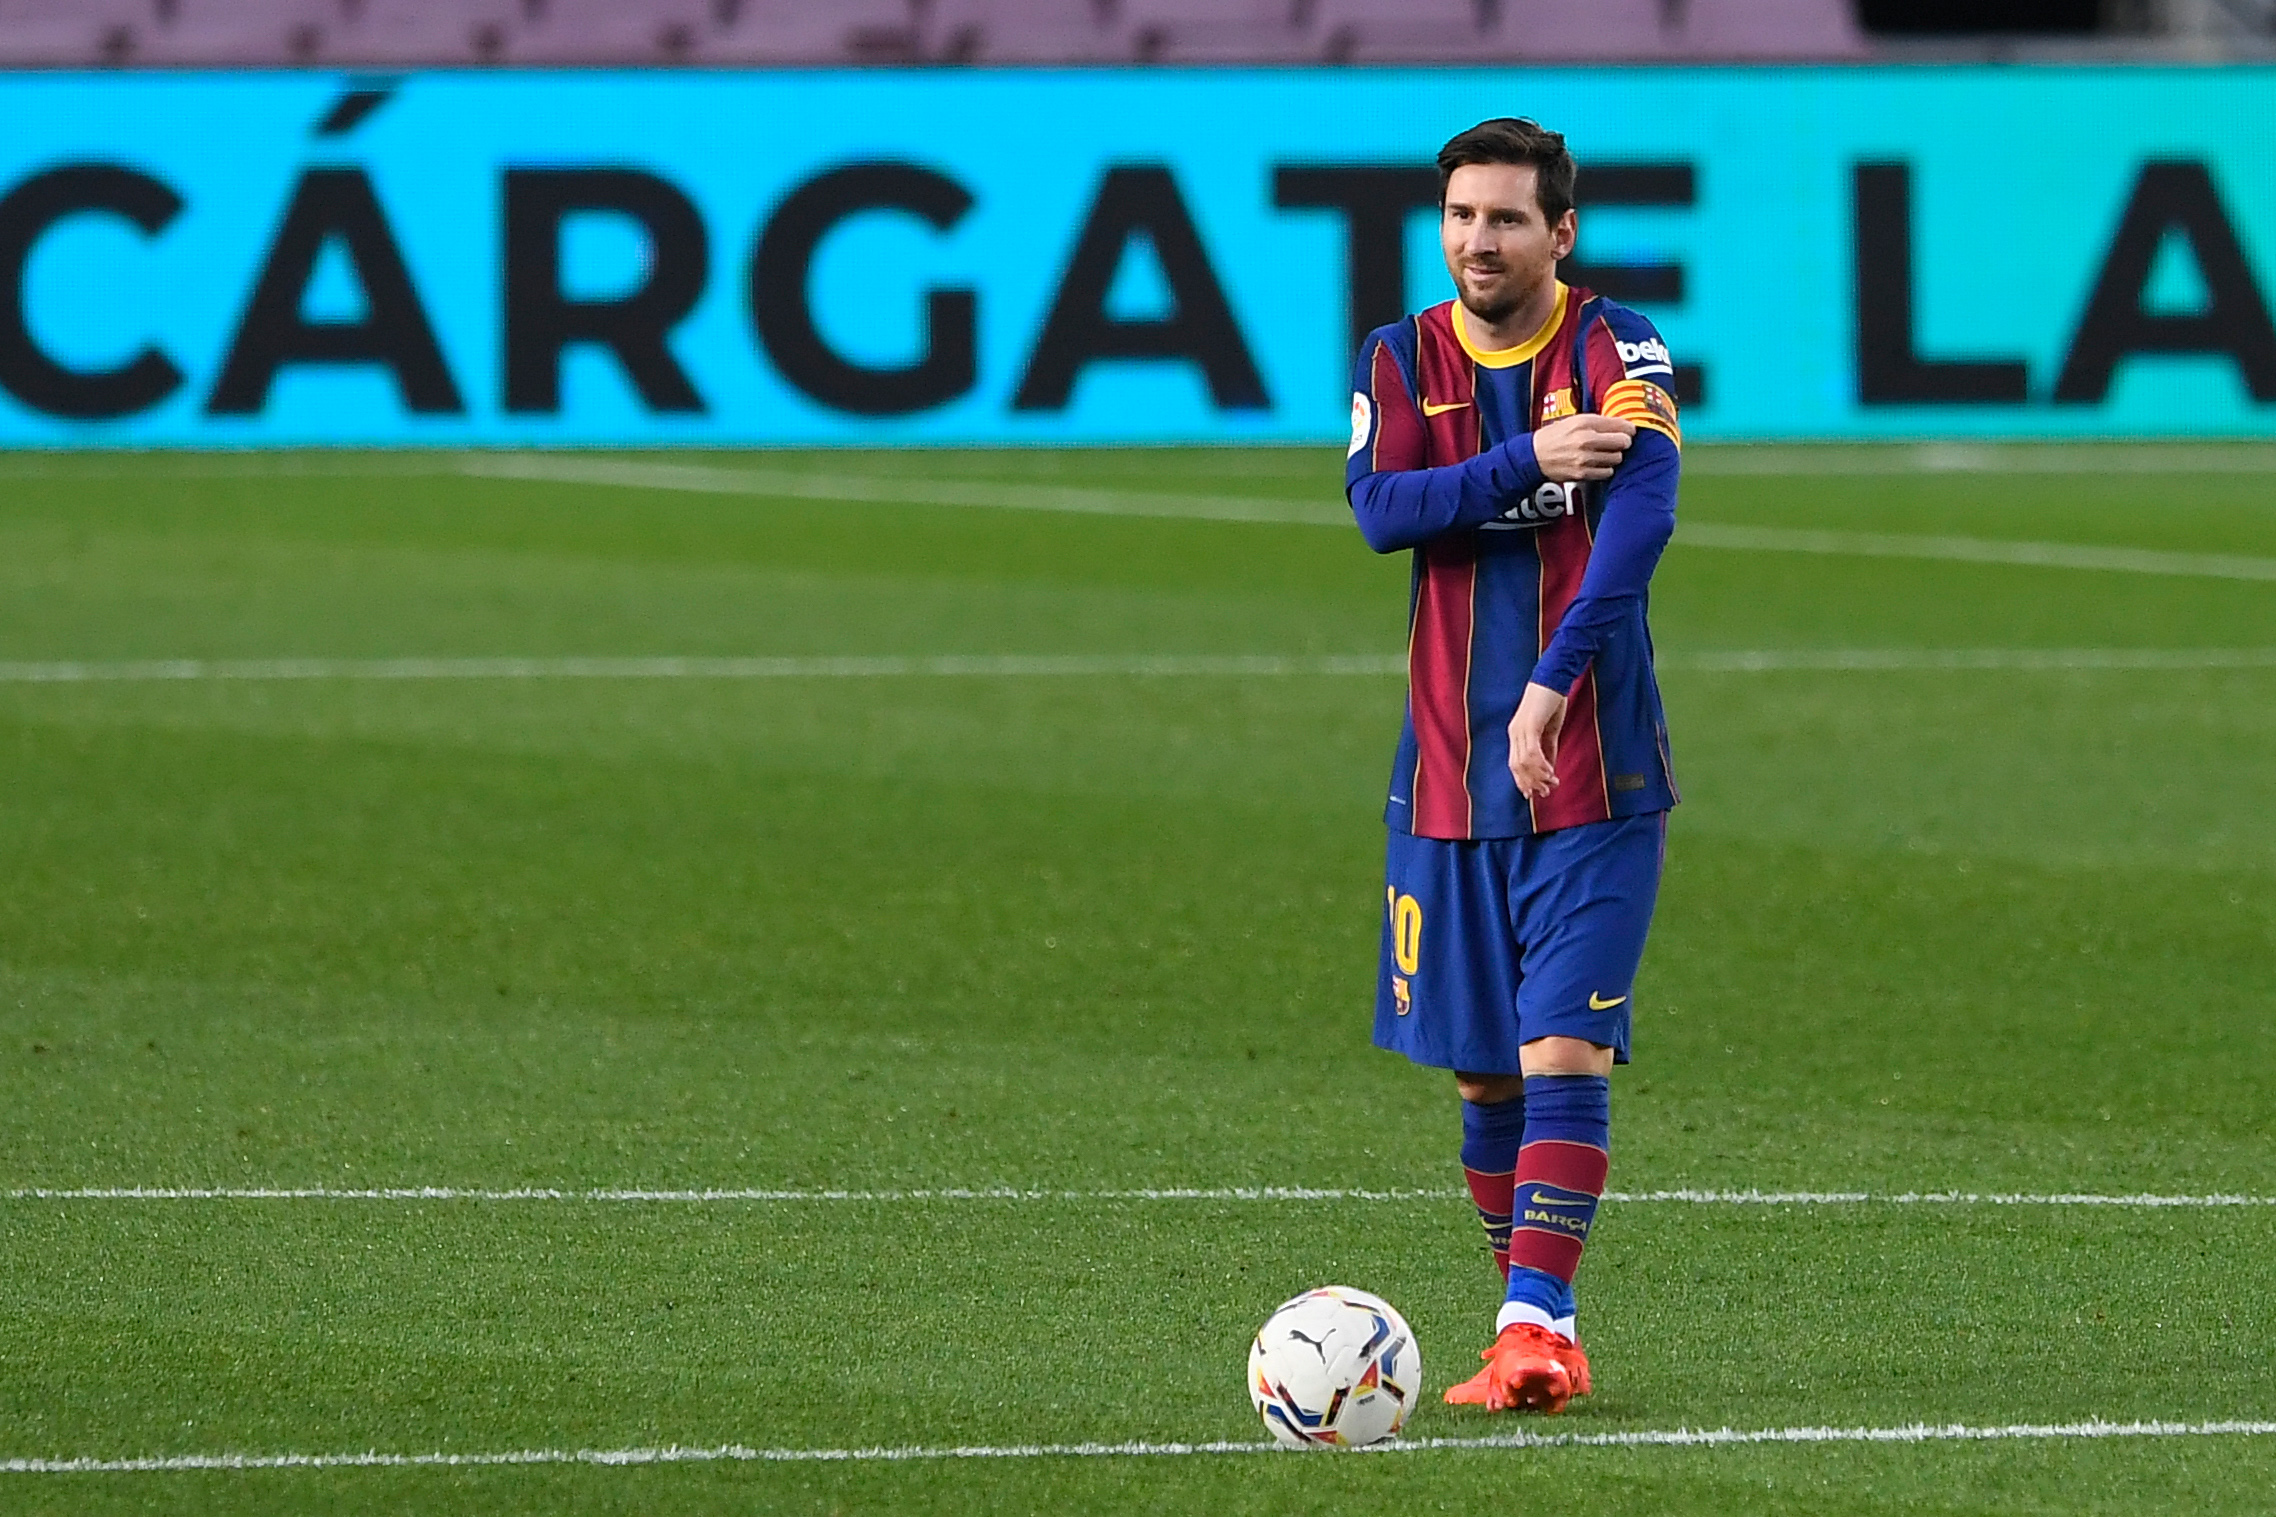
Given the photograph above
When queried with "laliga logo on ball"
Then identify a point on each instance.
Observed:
(1334, 1368)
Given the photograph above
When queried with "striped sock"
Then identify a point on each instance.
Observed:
(1491, 1136)
(1559, 1180)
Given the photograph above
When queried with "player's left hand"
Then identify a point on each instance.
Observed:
(1533, 741)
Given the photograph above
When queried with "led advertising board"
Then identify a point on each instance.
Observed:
(979, 256)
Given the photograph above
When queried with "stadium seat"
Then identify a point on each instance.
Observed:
(74, 33)
(1369, 31)
(207, 32)
(611, 31)
(424, 32)
(1674, 30)
(420, 32)
(1218, 31)
(761, 32)
(82, 33)
(268, 33)
(1028, 31)
(1773, 29)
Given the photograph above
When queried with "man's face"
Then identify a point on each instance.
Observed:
(1498, 246)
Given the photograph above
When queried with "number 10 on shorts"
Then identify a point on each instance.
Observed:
(1406, 944)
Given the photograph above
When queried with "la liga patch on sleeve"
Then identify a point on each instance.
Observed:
(1362, 422)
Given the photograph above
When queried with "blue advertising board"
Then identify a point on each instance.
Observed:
(480, 259)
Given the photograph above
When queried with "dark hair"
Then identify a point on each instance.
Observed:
(1518, 140)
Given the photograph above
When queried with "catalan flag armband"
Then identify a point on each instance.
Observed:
(1644, 404)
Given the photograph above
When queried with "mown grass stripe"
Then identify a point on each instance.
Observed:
(1177, 1193)
(886, 489)
(890, 490)
(2015, 660)
(1089, 666)
(2163, 458)
(1913, 1433)
(888, 666)
(1886, 459)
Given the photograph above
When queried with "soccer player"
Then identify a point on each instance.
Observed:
(1522, 440)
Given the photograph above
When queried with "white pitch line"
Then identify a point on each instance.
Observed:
(1187, 1193)
(457, 1193)
(1914, 1433)
(1976, 550)
(2017, 660)
(1978, 458)
(2164, 457)
(885, 489)
(1928, 1198)
(1089, 666)
(887, 666)
(776, 483)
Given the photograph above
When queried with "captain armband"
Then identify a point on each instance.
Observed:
(1644, 404)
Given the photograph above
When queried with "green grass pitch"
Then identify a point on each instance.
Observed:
(2000, 929)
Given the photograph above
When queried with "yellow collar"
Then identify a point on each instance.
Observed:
(1503, 358)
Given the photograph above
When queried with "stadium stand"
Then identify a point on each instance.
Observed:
(799, 33)
(1020, 31)
(1361, 31)
(1686, 30)
(573, 32)
(803, 33)
(408, 31)
(399, 33)
(1197, 31)
(55, 33)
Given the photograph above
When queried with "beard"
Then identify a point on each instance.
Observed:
(1497, 302)
(1507, 289)
(1493, 310)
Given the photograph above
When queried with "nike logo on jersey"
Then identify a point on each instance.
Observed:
(1599, 1003)
(1440, 408)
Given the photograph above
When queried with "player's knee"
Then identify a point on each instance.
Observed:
(1488, 1090)
(1564, 1056)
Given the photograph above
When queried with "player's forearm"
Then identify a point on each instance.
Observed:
(1401, 508)
(1638, 520)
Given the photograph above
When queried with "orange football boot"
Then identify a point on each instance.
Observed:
(1529, 1367)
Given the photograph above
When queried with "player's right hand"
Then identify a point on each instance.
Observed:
(1533, 740)
(1582, 447)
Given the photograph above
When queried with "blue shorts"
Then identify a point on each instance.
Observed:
(1493, 943)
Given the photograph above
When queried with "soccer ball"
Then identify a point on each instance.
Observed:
(1335, 1368)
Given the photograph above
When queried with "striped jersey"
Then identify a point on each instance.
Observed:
(1517, 578)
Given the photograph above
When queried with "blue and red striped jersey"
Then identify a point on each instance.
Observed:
(1519, 579)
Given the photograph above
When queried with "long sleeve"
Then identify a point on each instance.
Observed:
(1398, 500)
(1401, 508)
(1638, 520)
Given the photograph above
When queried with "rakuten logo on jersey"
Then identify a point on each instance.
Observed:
(1544, 505)
(1647, 357)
